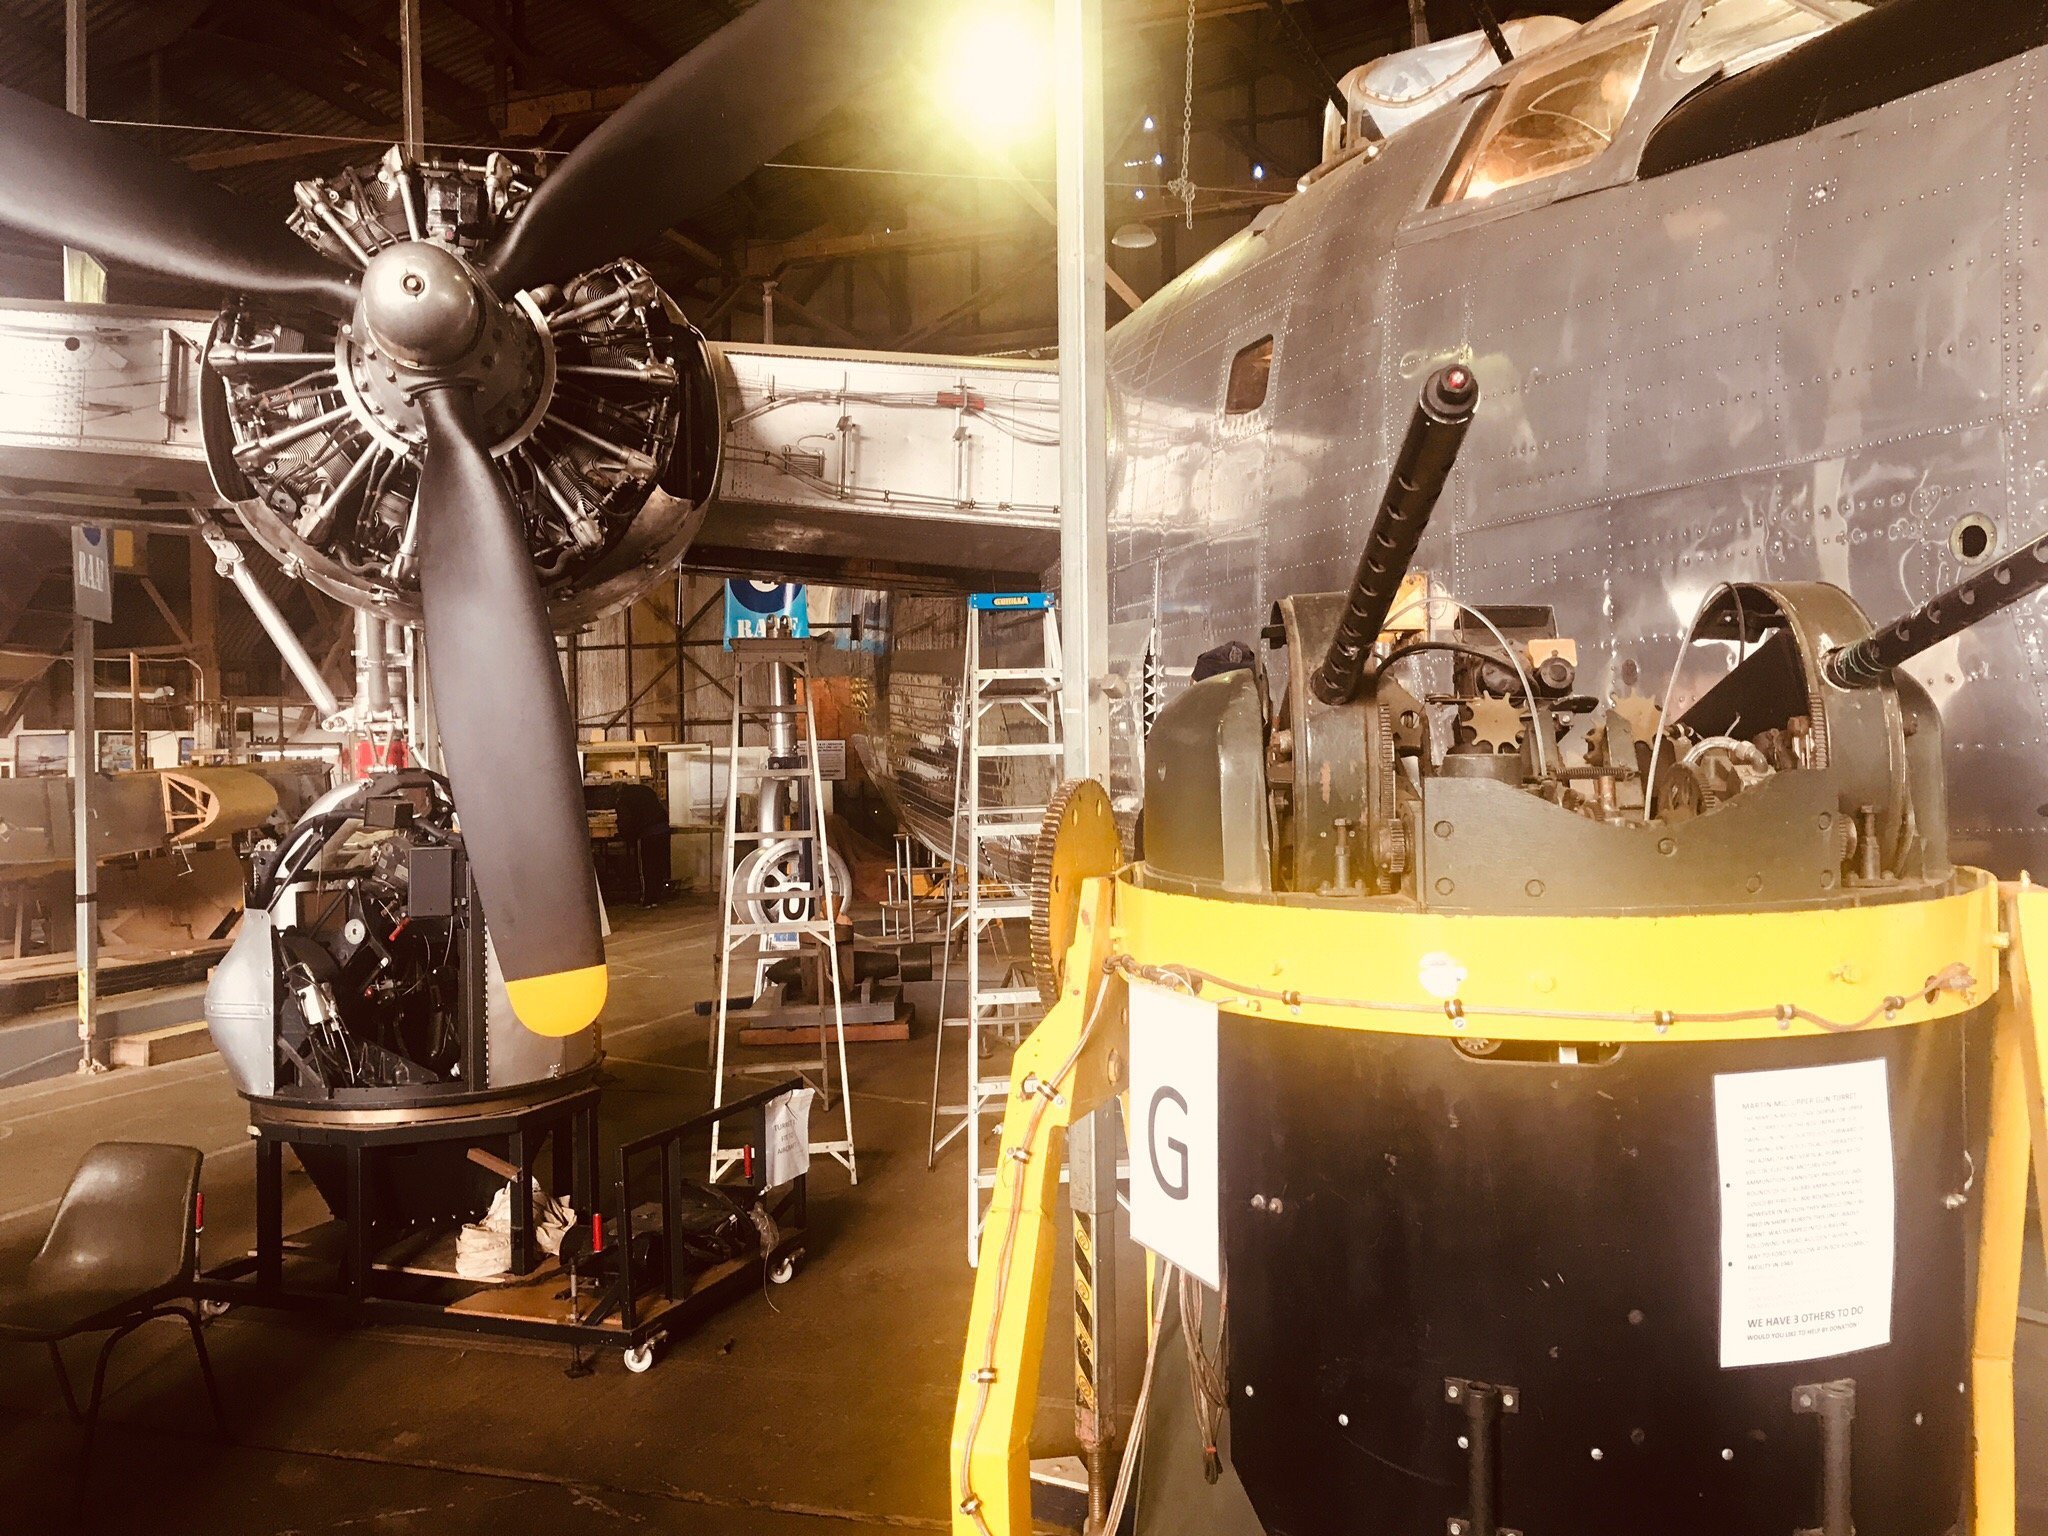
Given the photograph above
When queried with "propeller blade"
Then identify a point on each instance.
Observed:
(69, 180)
(505, 729)
(708, 121)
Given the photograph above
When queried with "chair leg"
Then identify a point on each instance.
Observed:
(92, 1413)
(64, 1384)
(191, 1317)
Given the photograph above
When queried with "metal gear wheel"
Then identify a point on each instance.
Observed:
(1077, 842)
(1495, 724)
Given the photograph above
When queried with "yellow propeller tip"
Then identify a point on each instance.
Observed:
(561, 1002)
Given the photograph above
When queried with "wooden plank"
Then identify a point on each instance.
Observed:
(538, 1297)
(856, 1034)
(156, 1047)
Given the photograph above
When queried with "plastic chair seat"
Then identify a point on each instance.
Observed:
(123, 1249)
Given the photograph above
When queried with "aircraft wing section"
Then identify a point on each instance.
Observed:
(884, 469)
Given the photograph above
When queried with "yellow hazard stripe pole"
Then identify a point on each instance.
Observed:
(1069, 1060)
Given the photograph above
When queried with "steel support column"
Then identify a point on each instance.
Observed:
(1084, 410)
(1084, 623)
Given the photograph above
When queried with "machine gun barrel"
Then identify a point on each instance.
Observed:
(1435, 434)
(1997, 587)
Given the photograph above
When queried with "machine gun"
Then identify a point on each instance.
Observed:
(1455, 765)
(1504, 1197)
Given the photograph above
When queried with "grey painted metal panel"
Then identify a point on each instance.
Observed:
(1811, 360)
(102, 397)
(886, 459)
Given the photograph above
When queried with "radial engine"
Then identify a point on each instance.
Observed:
(597, 396)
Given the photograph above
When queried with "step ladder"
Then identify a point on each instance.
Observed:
(778, 899)
(1007, 716)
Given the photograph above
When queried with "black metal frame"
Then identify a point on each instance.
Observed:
(258, 1279)
(790, 1214)
(153, 1308)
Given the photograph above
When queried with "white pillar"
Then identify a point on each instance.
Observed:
(1084, 401)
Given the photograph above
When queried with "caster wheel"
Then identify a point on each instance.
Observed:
(640, 1361)
(784, 1272)
(214, 1308)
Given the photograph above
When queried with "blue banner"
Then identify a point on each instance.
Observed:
(755, 610)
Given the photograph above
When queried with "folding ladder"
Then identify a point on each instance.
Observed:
(1006, 769)
(778, 899)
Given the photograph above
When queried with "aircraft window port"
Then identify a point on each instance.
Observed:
(1551, 120)
(1734, 35)
(1973, 538)
(1250, 372)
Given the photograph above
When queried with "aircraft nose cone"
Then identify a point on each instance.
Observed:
(421, 304)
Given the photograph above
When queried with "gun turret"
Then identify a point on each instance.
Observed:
(1992, 590)
(1435, 434)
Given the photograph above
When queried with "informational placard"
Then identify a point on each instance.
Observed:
(92, 575)
(1807, 1212)
(789, 1137)
(1175, 1191)
(832, 761)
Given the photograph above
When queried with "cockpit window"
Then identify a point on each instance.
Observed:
(1734, 35)
(1250, 371)
(1551, 118)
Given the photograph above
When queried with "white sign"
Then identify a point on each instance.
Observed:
(1806, 1212)
(832, 761)
(1174, 1186)
(789, 1137)
(92, 575)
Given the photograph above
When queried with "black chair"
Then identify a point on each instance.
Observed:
(122, 1251)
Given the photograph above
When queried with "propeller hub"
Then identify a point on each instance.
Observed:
(423, 305)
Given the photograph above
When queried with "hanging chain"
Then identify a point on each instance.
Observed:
(1183, 185)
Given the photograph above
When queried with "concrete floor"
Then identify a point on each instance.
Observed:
(826, 1412)
(822, 1408)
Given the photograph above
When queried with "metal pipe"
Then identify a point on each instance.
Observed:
(1435, 433)
(84, 865)
(1992, 590)
(138, 761)
(781, 743)
(298, 432)
(372, 692)
(229, 562)
(1834, 1404)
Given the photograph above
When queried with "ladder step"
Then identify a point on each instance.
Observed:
(1016, 675)
(789, 836)
(1025, 749)
(1001, 997)
(1015, 828)
(992, 911)
(813, 928)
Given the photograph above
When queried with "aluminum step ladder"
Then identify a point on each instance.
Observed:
(778, 899)
(1007, 716)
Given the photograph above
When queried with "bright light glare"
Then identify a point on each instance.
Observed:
(1150, 125)
(997, 71)
(1258, 173)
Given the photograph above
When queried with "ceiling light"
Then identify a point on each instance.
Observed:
(1134, 237)
(995, 71)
